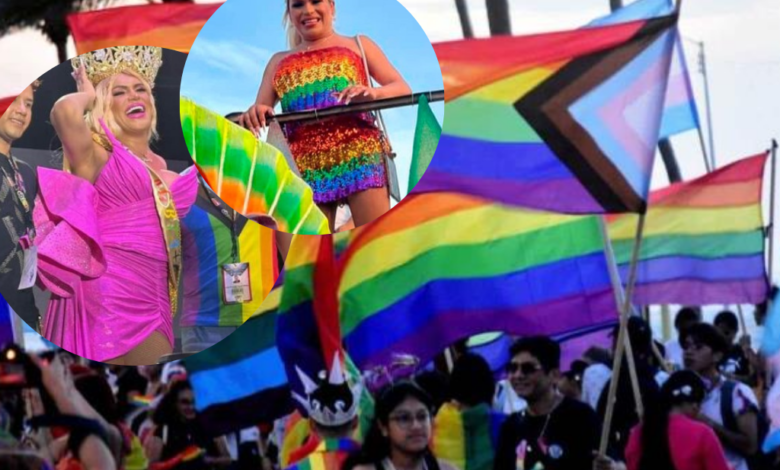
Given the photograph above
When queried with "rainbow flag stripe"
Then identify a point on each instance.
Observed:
(249, 175)
(467, 439)
(445, 266)
(208, 246)
(169, 25)
(566, 122)
(703, 240)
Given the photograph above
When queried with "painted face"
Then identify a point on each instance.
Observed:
(17, 118)
(131, 104)
(699, 357)
(527, 376)
(313, 19)
(185, 404)
(409, 426)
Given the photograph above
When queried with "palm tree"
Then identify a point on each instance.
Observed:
(48, 16)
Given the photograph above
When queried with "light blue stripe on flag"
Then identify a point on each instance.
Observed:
(241, 379)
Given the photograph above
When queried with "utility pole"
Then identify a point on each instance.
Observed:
(498, 17)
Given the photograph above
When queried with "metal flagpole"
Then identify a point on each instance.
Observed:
(703, 71)
(387, 103)
(622, 339)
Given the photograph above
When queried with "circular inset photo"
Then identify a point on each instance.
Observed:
(119, 251)
(313, 116)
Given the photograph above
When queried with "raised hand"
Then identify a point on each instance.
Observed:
(83, 85)
(255, 117)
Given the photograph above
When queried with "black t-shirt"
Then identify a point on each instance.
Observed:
(13, 225)
(571, 434)
(735, 362)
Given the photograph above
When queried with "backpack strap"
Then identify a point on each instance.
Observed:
(727, 405)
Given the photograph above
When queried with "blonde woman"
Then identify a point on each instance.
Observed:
(110, 248)
(342, 158)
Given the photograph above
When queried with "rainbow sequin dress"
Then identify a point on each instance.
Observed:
(339, 156)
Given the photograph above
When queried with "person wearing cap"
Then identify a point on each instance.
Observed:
(736, 423)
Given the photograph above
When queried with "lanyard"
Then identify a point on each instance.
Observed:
(232, 216)
(17, 184)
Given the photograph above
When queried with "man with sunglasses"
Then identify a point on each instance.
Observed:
(730, 408)
(554, 432)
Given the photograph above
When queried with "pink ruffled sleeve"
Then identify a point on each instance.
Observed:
(68, 240)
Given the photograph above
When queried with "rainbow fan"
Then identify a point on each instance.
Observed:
(250, 176)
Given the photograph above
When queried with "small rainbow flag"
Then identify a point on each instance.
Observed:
(169, 25)
(468, 438)
(142, 400)
(566, 122)
(703, 240)
(187, 455)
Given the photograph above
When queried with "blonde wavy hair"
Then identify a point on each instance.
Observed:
(102, 107)
(293, 38)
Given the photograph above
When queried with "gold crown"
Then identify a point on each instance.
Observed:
(103, 63)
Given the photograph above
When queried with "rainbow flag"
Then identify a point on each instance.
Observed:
(680, 113)
(5, 103)
(240, 381)
(467, 439)
(442, 266)
(703, 240)
(566, 121)
(207, 246)
(169, 25)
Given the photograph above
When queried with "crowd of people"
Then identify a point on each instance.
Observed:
(703, 409)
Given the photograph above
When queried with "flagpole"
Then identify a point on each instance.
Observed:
(465, 21)
(622, 340)
(703, 71)
(617, 288)
(771, 231)
(386, 103)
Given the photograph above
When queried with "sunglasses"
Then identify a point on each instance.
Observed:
(527, 368)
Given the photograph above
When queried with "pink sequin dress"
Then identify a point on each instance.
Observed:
(102, 254)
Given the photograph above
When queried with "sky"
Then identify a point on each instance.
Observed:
(227, 60)
(740, 38)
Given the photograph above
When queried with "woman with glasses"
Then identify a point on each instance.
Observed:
(176, 436)
(400, 435)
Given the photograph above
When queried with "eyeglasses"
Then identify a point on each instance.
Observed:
(406, 420)
(527, 368)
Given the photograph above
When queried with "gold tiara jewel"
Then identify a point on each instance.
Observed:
(104, 63)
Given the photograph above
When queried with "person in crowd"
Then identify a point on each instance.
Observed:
(18, 190)
(554, 432)
(596, 374)
(468, 417)
(176, 432)
(730, 408)
(570, 384)
(670, 436)
(436, 384)
(685, 318)
(736, 363)
(626, 411)
(400, 433)
(342, 158)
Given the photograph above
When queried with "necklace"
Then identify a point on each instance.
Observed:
(321, 42)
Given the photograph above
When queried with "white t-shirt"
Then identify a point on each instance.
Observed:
(743, 401)
(594, 379)
(674, 353)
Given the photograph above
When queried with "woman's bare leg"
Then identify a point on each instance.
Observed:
(367, 206)
(329, 209)
(148, 352)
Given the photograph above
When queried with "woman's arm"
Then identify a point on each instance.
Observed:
(391, 82)
(67, 117)
(255, 117)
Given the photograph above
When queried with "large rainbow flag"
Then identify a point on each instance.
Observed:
(563, 121)
(442, 266)
(169, 25)
(680, 113)
(5, 103)
(703, 240)
(240, 381)
(207, 246)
